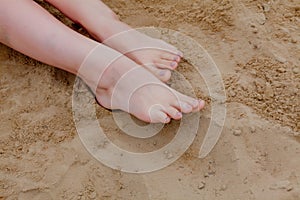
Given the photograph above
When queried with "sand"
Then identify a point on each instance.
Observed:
(255, 44)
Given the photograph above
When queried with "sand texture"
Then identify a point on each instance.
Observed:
(255, 44)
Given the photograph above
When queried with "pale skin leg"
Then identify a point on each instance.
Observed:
(102, 23)
(34, 32)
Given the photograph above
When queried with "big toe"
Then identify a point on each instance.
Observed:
(170, 48)
(168, 60)
(165, 64)
(170, 56)
(188, 104)
(196, 104)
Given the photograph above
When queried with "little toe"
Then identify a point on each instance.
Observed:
(173, 113)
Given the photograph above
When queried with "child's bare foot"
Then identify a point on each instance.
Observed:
(118, 82)
(156, 55)
(100, 21)
(126, 86)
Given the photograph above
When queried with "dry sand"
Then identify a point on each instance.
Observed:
(256, 47)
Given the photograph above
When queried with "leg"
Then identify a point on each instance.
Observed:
(49, 41)
(28, 28)
(102, 24)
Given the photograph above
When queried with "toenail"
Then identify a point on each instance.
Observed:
(167, 119)
(162, 73)
(179, 114)
(176, 58)
(173, 64)
(180, 54)
(187, 106)
(195, 103)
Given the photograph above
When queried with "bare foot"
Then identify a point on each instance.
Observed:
(103, 24)
(155, 55)
(126, 86)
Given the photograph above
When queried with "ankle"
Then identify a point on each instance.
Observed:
(103, 75)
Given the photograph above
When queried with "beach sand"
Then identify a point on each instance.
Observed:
(256, 46)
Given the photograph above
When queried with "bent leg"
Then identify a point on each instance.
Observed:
(101, 22)
(34, 32)
(31, 30)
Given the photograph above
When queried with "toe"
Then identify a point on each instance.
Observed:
(174, 51)
(165, 64)
(200, 106)
(173, 113)
(196, 104)
(180, 54)
(183, 106)
(159, 116)
(170, 57)
(163, 75)
(167, 47)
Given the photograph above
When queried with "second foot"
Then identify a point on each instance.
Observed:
(141, 94)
